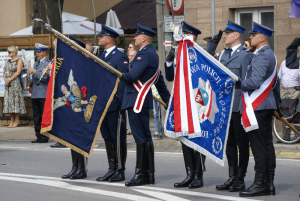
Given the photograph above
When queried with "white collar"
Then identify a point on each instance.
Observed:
(42, 59)
(235, 48)
(110, 49)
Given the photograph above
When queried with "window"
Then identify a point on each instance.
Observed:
(263, 15)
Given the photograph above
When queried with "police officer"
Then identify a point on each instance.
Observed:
(119, 60)
(78, 170)
(236, 59)
(193, 160)
(143, 67)
(38, 95)
(261, 68)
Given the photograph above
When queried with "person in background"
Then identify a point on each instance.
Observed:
(131, 54)
(89, 47)
(131, 46)
(13, 94)
(38, 95)
(156, 111)
(289, 76)
(247, 44)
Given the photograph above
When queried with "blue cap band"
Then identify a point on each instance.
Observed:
(235, 28)
(263, 31)
(41, 48)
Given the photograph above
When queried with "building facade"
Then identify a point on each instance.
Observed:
(272, 13)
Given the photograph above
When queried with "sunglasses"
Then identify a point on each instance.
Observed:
(130, 47)
(245, 45)
(9, 52)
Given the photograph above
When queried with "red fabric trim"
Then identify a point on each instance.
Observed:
(245, 119)
(176, 97)
(264, 95)
(210, 102)
(187, 90)
(145, 91)
(47, 113)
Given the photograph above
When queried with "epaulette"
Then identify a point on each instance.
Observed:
(145, 48)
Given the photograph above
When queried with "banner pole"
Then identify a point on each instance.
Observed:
(287, 123)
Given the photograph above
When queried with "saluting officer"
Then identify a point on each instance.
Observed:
(292, 61)
(38, 94)
(78, 170)
(119, 60)
(236, 58)
(262, 67)
(143, 67)
(193, 160)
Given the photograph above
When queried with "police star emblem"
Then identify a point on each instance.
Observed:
(206, 103)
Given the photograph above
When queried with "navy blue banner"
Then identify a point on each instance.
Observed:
(79, 94)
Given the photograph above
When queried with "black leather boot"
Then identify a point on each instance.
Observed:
(259, 187)
(57, 145)
(74, 156)
(150, 167)
(112, 161)
(230, 181)
(139, 178)
(80, 174)
(198, 177)
(270, 182)
(188, 155)
(120, 173)
(239, 184)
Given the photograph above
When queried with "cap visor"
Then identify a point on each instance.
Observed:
(38, 50)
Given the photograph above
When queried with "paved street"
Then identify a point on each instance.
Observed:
(32, 172)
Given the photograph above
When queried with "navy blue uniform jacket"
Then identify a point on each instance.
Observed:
(143, 67)
(119, 60)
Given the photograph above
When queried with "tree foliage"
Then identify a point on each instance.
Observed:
(48, 11)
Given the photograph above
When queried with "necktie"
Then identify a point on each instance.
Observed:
(228, 50)
(38, 63)
(103, 55)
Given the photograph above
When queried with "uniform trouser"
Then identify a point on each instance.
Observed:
(37, 109)
(261, 142)
(109, 127)
(139, 124)
(237, 137)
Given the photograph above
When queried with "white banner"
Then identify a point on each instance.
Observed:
(29, 55)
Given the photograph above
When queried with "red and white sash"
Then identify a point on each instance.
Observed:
(250, 103)
(186, 119)
(143, 90)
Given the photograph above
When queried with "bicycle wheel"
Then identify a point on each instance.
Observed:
(289, 137)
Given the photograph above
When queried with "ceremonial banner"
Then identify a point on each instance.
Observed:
(295, 9)
(200, 107)
(78, 96)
